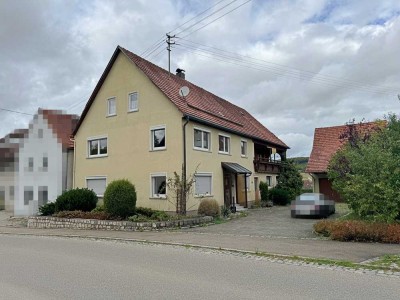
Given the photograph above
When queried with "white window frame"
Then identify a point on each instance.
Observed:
(205, 174)
(96, 138)
(99, 177)
(202, 140)
(229, 143)
(153, 195)
(129, 102)
(108, 106)
(152, 129)
(246, 148)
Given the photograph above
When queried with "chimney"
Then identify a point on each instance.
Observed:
(180, 73)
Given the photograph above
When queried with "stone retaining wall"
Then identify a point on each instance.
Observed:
(90, 224)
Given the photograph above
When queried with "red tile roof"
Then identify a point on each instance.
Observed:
(61, 124)
(200, 105)
(328, 140)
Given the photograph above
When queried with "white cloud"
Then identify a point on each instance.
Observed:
(342, 57)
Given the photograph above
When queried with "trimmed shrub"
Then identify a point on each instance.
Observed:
(76, 199)
(78, 214)
(279, 196)
(120, 198)
(209, 207)
(263, 191)
(47, 209)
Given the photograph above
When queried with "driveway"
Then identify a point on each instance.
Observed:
(8, 220)
(265, 222)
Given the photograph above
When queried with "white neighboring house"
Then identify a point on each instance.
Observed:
(43, 163)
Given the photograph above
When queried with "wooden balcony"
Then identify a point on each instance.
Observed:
(266, 165)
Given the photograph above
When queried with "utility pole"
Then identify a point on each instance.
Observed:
(169, 37)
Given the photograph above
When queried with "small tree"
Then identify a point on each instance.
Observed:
(120, 198)
(366, 173)
(290, 179)
(181, 189)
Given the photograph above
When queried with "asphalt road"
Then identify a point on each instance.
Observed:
(58, 268)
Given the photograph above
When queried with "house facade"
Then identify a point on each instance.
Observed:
(136, 125)
(327, 141)
(41, 164)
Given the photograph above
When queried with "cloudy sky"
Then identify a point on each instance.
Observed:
(295, 65)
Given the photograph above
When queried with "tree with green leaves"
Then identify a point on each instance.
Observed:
(366, 170)
(289, 179)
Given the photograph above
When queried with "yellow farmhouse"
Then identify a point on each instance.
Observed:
(137, 122)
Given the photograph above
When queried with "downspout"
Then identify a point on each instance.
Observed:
(184, 167)
(74, 163)
(245, 190)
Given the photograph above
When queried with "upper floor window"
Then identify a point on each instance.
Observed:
(243, 148)
(201, 139)
(30, 164)
(224, 144)
(97, 147)
(158, 138)
(45, 163)
(40, 133)
(133, 102)
(111, 107)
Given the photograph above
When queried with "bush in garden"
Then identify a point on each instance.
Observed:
(225, 211)
(144, 211)
(209, 207)
(360, 231)
(47, 209)
(120, 198)
(76, 199)
(78, 214)
(279, 196)
(264, 191)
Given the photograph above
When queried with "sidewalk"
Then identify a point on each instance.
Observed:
(316, 248)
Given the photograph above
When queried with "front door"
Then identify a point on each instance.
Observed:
(227, 189)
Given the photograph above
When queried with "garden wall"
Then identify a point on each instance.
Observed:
(90, 224)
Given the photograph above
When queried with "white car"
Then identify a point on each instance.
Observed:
(313, 205)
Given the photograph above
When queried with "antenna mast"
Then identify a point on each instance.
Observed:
(169, 37)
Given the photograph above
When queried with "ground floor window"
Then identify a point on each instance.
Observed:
(28, 194)
(97, 184)
(158, 185)
(269, 180)
(43, 195)
(203, 184)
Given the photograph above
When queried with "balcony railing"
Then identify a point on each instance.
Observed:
(266, 165)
